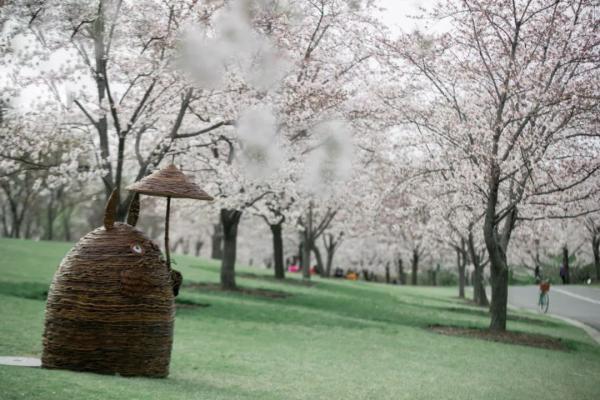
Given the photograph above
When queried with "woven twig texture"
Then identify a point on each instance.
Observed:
(169, 182)
(111, 308)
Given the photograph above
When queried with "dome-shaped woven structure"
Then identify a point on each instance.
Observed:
(110, 307)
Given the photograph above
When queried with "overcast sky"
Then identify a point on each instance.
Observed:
(397, 14)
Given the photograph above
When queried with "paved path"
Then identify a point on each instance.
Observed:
(580, 303)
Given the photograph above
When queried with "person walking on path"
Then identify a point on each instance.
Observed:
(563, 273)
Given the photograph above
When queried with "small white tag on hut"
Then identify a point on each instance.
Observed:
(21, 361)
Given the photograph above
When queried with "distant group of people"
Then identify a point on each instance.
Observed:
(294, 265)
(352, 275)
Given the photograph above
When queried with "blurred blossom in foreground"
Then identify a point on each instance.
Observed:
(257, 132)
(234, 47)
(330, 162)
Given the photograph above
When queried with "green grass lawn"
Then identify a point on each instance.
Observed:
(333, 340)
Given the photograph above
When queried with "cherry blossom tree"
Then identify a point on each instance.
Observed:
(510, 93)
(291, 128)
(593, 228)
(119, 73)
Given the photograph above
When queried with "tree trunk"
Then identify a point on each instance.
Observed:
(217, 242)
(479, 295)
(5, 232)
(278, 250)
(496, 243)
(434, 275)
(366, 276)
(306, 259)
(461, 273)
(308, 243)
(387, 272)
(401, 274)
(565, 263)
(50, 217)
(498, 305)
(175, 245)
(198, 248)
(318, 258)
(66, 222)
(331, 245)
(415, 266)
(16, 228)
(329, 262)
(230, 220)
(28, 226)
(596, 252)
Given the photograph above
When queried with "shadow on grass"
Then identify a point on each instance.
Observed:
(268, 278)
(508, 337)
(511, 317)
(335, 305)
(353, 306)
(244, 291)
(187, 303)
(25, 290)
(380, 310)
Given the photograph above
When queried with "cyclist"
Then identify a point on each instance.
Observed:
(544, 299)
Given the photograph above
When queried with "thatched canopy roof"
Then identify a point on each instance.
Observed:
(169, 182)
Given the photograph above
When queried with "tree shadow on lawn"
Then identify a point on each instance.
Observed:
(347, 305)
(510, 317)
(334, 305)
(380, 310)
(25, 290)
(206, 268)
(353, 310)
(184, 381)
(466, 307)
(309, 314)
(272, 279)
(509, 337)
(184, 303)
(39, 291)
(246, 291)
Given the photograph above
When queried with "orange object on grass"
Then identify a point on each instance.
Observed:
(352, 276)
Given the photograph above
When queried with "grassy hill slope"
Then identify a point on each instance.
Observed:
(332, 340)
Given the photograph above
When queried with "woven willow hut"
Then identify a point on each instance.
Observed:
(111, 307)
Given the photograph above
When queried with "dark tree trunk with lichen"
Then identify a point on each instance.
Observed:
(217, 242)
(461, 261)
(230, 220)
(415, 266)
(496, 241)
(565, 263)
(479, 295)
(596, 251)
(318, 258)
(278, 250)
(461, 273)
(387, 272)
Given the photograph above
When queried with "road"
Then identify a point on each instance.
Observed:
(581, 303)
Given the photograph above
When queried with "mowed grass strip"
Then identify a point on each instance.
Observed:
(332, 340)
